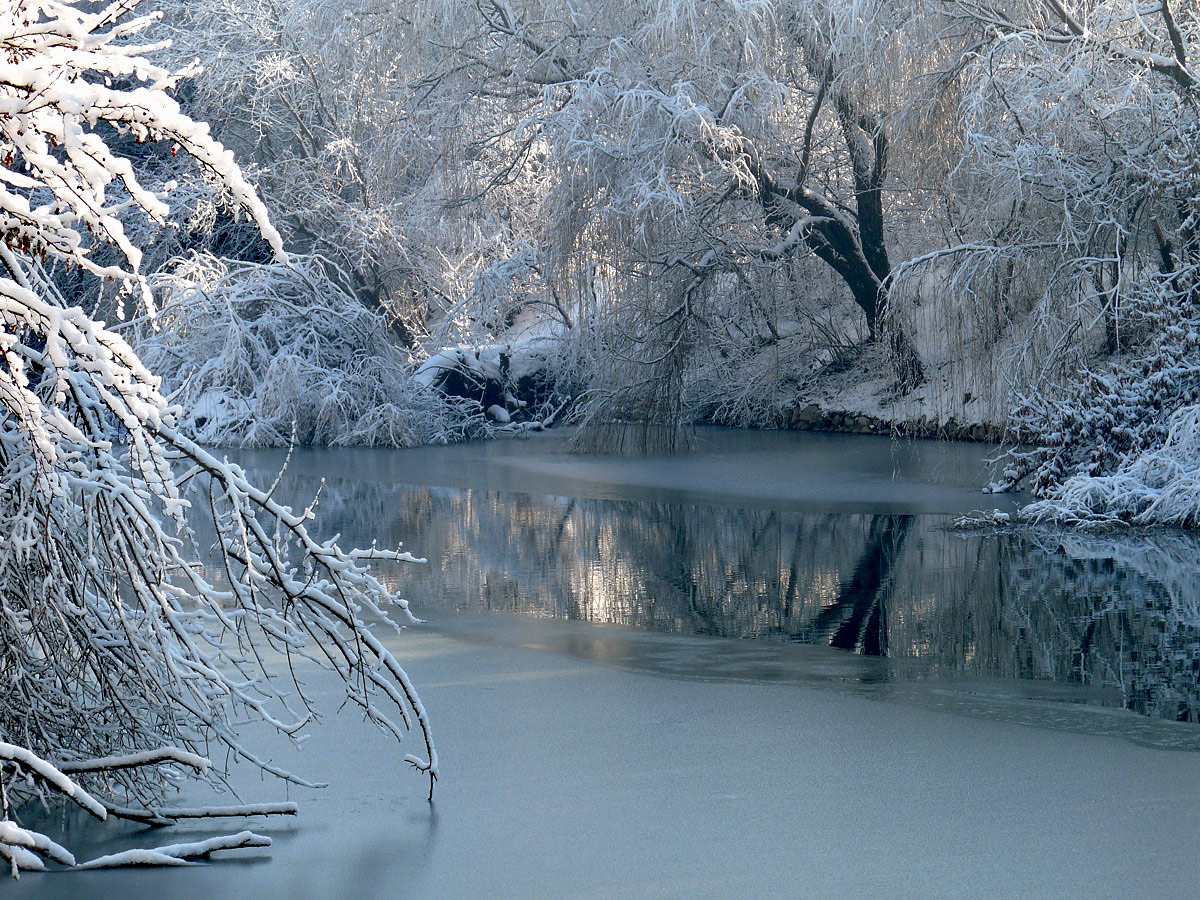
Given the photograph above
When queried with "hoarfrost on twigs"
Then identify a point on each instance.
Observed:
(130, 663)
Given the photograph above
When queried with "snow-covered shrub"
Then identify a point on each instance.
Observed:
(1154, 485)
(518, 381)
(260, 355)
(366, 152)
(124, 663)
(1119, 442)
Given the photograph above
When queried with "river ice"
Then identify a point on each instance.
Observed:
(589, 761)
(781, 470)
(571, 778)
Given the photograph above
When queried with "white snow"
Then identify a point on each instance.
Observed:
(1159, 486)
(50, 774)
(132, 760)
(14, 836)
(177, 854)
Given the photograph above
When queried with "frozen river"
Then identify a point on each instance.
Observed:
(768, 669)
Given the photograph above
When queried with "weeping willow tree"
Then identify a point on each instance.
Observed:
(682, 155)
(1077, 215)
(126, 662)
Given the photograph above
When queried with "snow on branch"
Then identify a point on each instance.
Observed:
(14, 838)
(177, 854)
(131, 760)
(130, 660)
(56, 84)
(52, 776)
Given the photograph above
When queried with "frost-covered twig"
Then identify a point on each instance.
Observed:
(169, 815)
(129, 660)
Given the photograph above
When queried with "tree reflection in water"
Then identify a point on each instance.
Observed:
(1121, 612)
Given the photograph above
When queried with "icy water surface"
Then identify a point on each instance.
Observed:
(823, 540)
(767, 670)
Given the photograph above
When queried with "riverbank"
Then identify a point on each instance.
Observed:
(844, 418)
(859, 396)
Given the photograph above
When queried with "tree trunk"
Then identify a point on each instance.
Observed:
(852, 244)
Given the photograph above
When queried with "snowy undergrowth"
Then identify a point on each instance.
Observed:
(262, 355)
(1156, 486)
(1120, 442)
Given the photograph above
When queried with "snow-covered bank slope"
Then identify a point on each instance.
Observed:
(858, 395)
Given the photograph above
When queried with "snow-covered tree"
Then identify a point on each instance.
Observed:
(123, 661)
(705, 201)
(690, 152)
(1078, 213)
(359, 158)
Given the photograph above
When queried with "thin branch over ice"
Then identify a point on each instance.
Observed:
(125, 659)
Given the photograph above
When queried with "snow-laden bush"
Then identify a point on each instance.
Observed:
(748, 373)
(261, 355)
(1081, 188)
(1158, 485)
(1119, 442)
